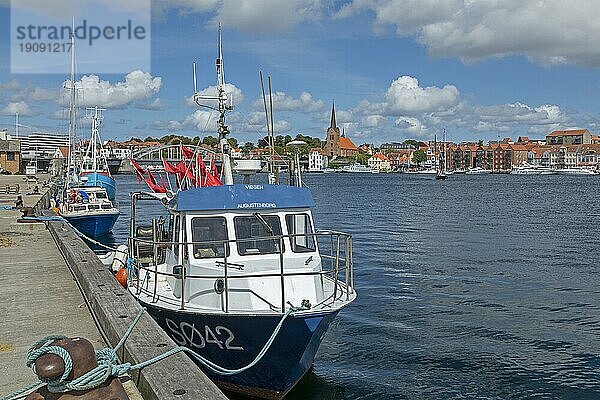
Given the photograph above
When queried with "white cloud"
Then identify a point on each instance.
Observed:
(282, 102)
(17, 107)
(411, 126)
(233, 93)
(155, 105)
(138, 85)
(266, 16)
(550, 32)
(373, 121)
(406, 96)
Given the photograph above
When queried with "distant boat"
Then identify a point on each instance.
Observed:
(478, 171)
(427, 171)
(527, 169)
(94, 167)
(357, 168)
(89, 210)
(576, 171)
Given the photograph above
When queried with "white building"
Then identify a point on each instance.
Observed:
(42, 144)
(317, 161)
(116, 152)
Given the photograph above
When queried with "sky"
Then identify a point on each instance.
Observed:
(395, 69)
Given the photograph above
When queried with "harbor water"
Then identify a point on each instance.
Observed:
(477, 287)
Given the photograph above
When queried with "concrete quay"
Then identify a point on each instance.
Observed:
(38, 296)
(52, 283)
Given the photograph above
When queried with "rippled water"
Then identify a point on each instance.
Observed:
(478, 287)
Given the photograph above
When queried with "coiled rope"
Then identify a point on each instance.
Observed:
(108, 366)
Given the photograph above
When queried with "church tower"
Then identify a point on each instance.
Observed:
(332, 147)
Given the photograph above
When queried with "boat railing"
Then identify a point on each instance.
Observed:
(334, 248)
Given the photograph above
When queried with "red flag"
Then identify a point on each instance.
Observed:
(155, 188)
(151, 177)
(213, 177)
(187, 152)
(163, 184)
(170, 168)
(138, 169)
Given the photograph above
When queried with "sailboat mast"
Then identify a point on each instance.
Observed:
(72, 102)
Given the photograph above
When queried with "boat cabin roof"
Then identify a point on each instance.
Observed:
(242, 197)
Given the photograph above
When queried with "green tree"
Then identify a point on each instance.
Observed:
(419, 156)
(413, 143)
(247, 147)
(210, 140)
(233, 143)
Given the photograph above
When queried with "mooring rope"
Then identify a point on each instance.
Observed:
(108, 366)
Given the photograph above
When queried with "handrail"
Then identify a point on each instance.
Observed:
(338, 271)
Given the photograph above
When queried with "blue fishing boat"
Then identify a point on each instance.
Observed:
(85, 200)
(238, 274)
(94, 169)
(89, 210)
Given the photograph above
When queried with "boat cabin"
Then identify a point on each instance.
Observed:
(246, 248)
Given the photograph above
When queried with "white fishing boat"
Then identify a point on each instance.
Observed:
(239, 274)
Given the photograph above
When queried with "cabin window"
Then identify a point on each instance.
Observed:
(299, 224)
(106, 206)
(249, 229)
(100, 195)
(209, 236)
(79, 208)
(93, 206)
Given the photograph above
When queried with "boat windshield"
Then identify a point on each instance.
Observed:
(247, 229)
(208, 231)
(299, 224)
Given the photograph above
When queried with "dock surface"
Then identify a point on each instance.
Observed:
(38, 296)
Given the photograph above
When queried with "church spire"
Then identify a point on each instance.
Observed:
(333, 116)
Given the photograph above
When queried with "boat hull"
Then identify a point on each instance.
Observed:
(103, 181)
(241, 337)
(93, 225)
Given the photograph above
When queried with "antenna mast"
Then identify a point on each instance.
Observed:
(223, 105)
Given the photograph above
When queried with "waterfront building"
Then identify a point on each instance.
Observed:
(379, 162)
(567, 137)
(10, 153)
(42, 145)
(394, 146)
(317, 161)
(400, 159)
(119, 150)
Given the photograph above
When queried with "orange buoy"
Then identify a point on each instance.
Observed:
(122, 277)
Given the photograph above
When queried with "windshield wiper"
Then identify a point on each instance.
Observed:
(265, 223)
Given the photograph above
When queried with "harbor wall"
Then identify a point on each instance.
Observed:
(113, 309)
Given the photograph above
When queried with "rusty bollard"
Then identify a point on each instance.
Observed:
(51, 366)
(27, 212)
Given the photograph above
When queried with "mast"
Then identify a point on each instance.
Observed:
(223, 105)
(71, 88)
(435, 154)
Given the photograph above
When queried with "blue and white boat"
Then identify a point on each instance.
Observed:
(238, 274)
(89, 210)
(94, 169)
